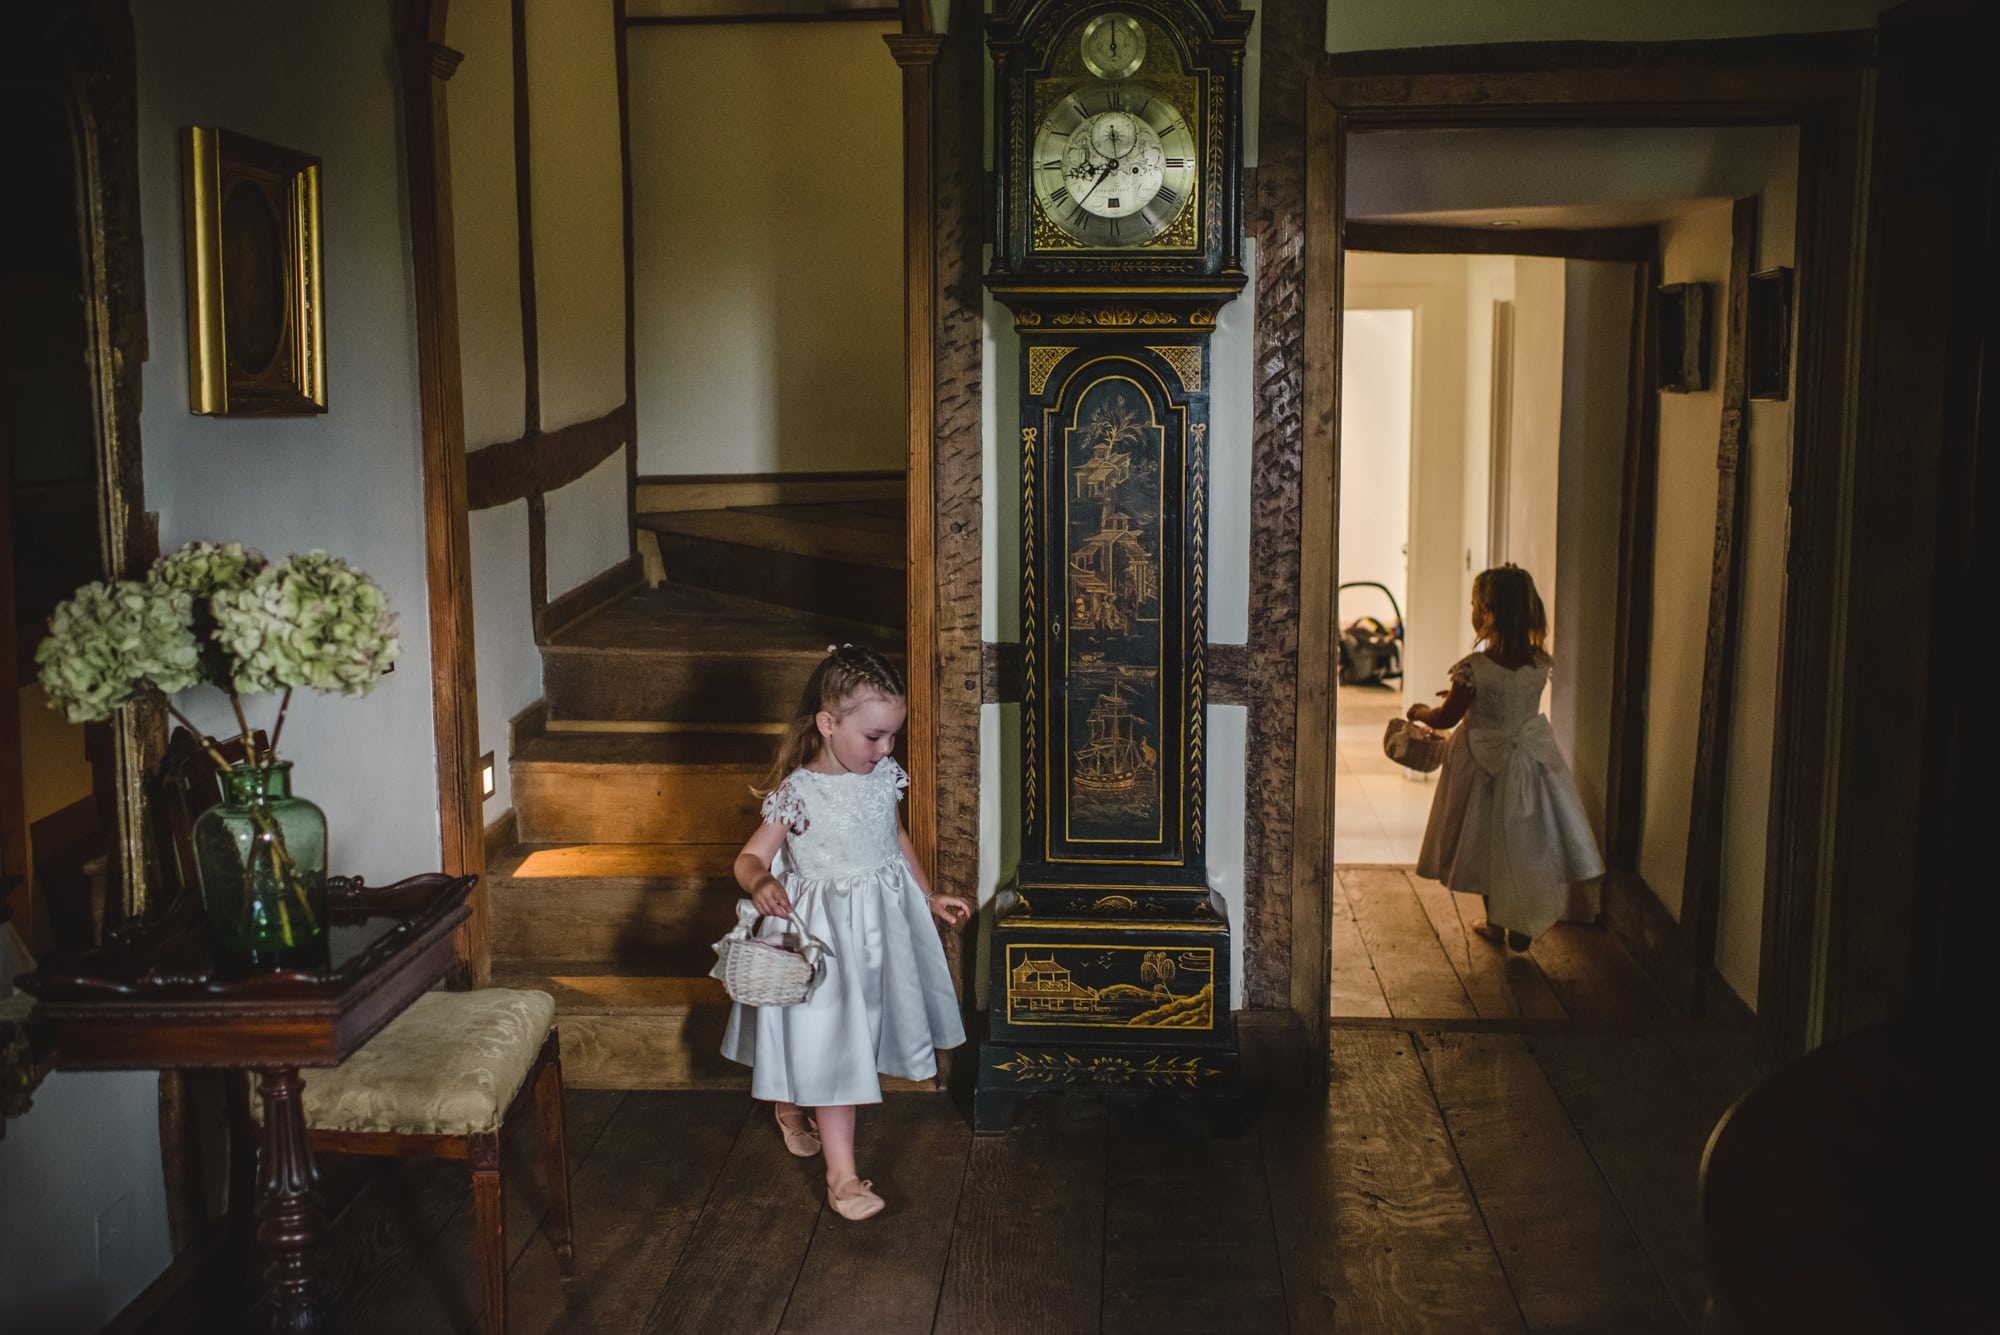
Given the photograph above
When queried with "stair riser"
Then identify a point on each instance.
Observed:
(673, 688)
(567, 804)
(644, 926)
(678, 1048)
(670, 1048)
(830, 588)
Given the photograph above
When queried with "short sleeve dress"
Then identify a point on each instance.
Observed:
(886, 1002)
(1507, 821)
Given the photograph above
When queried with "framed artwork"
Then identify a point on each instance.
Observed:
(256, 323)
(1683, 341)
(1768, 343)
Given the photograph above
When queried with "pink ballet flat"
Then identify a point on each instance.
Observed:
(801, 1136)
(854, 1199)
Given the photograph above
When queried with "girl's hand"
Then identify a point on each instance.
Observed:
(770, 899)
(1418, 713)
(950, 910)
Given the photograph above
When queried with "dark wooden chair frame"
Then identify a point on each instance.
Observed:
(187, 785)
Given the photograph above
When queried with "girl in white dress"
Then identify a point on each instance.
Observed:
(1506, 821)
(832, 857)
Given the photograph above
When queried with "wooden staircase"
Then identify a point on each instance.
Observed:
(661, 709)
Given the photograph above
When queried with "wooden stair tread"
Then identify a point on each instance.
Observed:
(594, 861)
(581, 990)
(683, 620)
(863, 518)
(680, 751)
(741, 528)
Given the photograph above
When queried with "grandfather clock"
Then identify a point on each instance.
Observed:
(1118, 152)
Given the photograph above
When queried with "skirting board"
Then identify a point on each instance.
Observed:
(1655, 939)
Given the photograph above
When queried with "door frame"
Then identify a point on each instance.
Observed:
(1817, 84)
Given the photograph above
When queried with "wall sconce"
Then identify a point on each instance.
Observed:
(489, 777)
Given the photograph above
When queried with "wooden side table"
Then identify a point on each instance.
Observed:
(148, 1001)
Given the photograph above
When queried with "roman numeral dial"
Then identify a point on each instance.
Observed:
(1114, 164)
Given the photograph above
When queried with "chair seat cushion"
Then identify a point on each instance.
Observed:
(447, 1066)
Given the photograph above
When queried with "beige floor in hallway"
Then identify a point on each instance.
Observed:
(1379, 808)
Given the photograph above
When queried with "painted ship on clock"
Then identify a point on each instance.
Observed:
(1120, 227)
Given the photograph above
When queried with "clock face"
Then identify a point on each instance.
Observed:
(1114, 46)
(1114, 164)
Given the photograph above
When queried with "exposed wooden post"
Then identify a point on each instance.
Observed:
(426, 64)
(917, 53)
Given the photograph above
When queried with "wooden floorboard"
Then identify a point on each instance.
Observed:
(1189, 1245)
(1645, 1117)
(1489, 1171)
(1418, 980)
(882, 1275)
(636, 1198)
(1028, 1244)
(1501, 983)
(1376, 1224)
(1357, 989)
(1571, 1256)
(1594, 977)
(736, 1274)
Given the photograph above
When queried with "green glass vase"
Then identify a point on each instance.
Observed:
(262, 857)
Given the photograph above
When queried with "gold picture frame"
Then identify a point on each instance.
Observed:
(256, 318)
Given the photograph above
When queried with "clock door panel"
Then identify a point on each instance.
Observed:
(1110, 589)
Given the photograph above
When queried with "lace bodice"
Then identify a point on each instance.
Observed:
(838, 824)
(1503, 698)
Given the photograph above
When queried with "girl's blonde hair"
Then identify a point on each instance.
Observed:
(1516, 623)
(843, 674)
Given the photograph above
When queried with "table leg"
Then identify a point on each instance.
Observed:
(290, 1216)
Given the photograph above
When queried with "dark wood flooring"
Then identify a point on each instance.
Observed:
(1506, 1143)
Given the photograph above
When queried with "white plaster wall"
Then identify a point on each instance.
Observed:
(89, 1147)
(586, 525)
(1377, 351)
(1695, 248)
(1368, 25)
(578, 206)
(1535, 440)
(1228, 749)
(503, 635)
(1596, 347)
(1489, 280)
(1443, 172)
(321, 80)
(1433, 286)
(1231, 426)
(485, 225)
(768, 227)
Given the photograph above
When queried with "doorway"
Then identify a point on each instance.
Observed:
(1360, 113)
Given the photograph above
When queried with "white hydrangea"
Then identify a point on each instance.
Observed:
(311, 620)
(114, 640)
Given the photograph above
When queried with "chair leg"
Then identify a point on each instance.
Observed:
(555, 1155)
(489, 1224)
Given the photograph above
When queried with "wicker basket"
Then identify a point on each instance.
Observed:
(767, 971)
(1414, 745)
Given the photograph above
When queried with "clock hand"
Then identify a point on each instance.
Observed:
(1110, 166)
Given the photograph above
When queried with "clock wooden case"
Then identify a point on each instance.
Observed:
(1121, 227)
